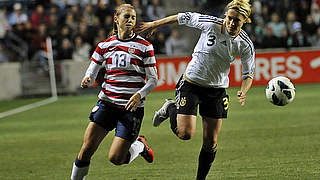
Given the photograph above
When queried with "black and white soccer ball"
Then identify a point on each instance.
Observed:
(280, 91)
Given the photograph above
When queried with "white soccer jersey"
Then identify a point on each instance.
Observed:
(216, 50)
(128, 63)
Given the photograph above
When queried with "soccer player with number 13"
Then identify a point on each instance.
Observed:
(129, 60)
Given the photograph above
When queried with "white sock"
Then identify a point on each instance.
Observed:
(79, 173)
(135, 149)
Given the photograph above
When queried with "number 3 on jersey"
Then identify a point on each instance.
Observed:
(120, 60)
(211, 39)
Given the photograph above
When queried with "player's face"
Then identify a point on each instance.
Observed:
(234, 21)
(126, 20)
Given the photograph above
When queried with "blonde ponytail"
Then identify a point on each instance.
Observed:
(243, 7)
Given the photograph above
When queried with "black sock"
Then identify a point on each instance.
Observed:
(81, 163)
(206, 159)
(172, 110)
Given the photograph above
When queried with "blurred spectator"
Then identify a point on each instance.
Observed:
(303, 11)
(76, 15)
(65, 50)
(64, 33)
(155, 10)
(298, 38)
(17, 16)
(316, 38)
(4, 24)
(39, 17)
(175, 45)
(315, 12)
(275, 25)
(259, 32)
(81, 50)
(158, 42)
(71, 22)
(265, 13)
(38, 45)
(103, 10)
(309, 26)
(86, 34)
(91, 18)
(101, 36)
(108, 23)
(291, 19)
(53, 26)
(284, 39)
(141, 14)
(270, 40)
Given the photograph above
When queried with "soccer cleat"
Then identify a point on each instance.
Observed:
(147, 152)
(162, 114)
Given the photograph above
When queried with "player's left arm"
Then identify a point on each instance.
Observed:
(248, 67)
(152, 80)
(245, 86)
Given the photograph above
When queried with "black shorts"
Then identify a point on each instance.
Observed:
(213, 102)
(126, 123)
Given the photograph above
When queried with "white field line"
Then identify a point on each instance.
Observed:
(28, 107)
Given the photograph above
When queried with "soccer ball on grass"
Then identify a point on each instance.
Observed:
(280, 91)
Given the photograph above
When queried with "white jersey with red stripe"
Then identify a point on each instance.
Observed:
(128, 63)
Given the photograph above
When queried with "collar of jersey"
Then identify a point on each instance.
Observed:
(128, 39)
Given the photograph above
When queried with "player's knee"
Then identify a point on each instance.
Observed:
(185, 134)
(116, 160)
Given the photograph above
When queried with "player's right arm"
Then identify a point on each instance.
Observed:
(93, 69)
(91, 73)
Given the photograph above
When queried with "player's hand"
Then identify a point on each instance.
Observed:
(85, 82)
(241, 97)
(146, 26)
(133, 103)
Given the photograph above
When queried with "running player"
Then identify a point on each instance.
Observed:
(129, 60)
(206, 77)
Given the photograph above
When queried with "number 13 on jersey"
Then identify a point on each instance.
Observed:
(120, 60)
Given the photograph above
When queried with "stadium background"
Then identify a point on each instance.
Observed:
(260, 141)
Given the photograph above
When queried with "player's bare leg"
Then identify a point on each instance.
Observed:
(92, 138)
(182, 125)
(211, 129)
(186, 126)
(123, 151)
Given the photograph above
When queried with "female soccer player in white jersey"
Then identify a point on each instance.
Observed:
(129, 60)
(206, 77)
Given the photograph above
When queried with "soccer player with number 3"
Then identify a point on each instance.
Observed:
(129, 60)
(206, 77)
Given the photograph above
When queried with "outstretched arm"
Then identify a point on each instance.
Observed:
(151, 26)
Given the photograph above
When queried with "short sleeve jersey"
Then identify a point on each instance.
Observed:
(216, 50)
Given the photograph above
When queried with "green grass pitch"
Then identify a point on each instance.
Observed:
(257, 141)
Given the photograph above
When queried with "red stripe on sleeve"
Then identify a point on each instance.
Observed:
(100, 63)
(150, 65)
(149, 53)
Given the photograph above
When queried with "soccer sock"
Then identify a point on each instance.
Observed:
(80, 169)
(135, 149)
(206, 159)
(172, 110)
